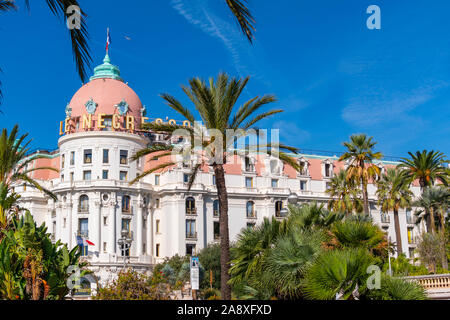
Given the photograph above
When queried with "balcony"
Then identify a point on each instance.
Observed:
(83, 209)
(191, 235)
(437, 285)
(410, 220)
(191, 211)
(83, 233)
(251, 215)
(385, 219)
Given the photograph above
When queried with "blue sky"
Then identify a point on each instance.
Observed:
(332, 76)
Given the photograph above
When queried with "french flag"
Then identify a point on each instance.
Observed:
(108, 40)
(87, 242)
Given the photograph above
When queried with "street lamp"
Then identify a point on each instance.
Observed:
(124, 245)
(292, 198)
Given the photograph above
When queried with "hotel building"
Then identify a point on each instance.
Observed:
(96, 201)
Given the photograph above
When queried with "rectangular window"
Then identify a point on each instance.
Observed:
(214, 179)
(105, 156)
(327, 170)
(303, 185)
(126, 224)
(64, 223)
(327, 185)
(71, 176)
(63, 157)
(123, 156)
(156, 179)
(185, 178)
(274, 183)
(87, 175)
(216, 230)
(104, 246)
(105, 174)
(123, 175)
(105, 221)
(62, 178)
(190, 249)
(72, 158)
(107, 122)
(157, 226)
(157, 250)
(190, 229)
(157, 202)
(249, 182)
(88, 156)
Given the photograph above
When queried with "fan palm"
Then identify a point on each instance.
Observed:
(338, 274)
(343, 193)
(215, 104)
(360, 154)
(394, 194)
(426, 166)
(392, 288)
(311, 216)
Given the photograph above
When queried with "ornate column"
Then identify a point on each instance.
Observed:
(150, 231)
(98, 238)
(140, 205)
(112, 228)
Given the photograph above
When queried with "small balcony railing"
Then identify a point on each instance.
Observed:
(410, 220)
(251, 214)
(191, 235)
(385, 219)
(83, 209)
(250, 168)
(191, 211)
(83, 233)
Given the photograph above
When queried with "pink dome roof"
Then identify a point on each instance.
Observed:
(105, 93)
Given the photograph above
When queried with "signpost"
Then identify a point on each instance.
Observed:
(195, 276)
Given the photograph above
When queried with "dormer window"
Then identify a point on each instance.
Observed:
(303, 170)
(328, 169)
(249, 164)
(275, 167)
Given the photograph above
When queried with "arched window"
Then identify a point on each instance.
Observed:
(278, 207)
(250, 209)
(216, 208)
(126, 204)
(190, 205)
(84, 203)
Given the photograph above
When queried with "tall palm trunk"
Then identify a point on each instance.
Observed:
(398, 235)
(225, 289)
(365, 196)
(432, 222)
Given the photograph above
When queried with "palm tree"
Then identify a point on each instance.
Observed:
(14, 167)
(339, 274)
(393, 194)
(343, 193)
(243, 17)
(78, 36)
(427, 167)
(435, 201)
(215, 105)
(360, 154)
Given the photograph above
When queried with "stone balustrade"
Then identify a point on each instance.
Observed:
(437, 285)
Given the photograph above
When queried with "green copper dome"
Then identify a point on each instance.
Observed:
(106, 70)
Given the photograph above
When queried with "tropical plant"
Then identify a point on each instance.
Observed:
(31, 266)
(360, 154)
(429, 249)
(339, 274)
(434, 202)
(78, 36)
(344, 194)
(215, 104)
(132, 285)
(15, 162)
(393, 194)
(311, 216)
(427, 167)
(392, 288)
(243, 17)
(351, 233)
(209, 258)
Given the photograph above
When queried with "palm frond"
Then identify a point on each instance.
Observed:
(243, 17)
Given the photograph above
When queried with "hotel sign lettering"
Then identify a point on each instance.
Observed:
(114, 121)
